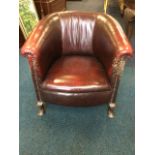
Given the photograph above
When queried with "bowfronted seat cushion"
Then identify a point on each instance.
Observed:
(75, 73)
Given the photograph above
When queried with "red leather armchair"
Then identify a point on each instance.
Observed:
(76, 59)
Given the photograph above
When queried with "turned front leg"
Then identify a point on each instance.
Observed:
(41, 106)
(112, 103)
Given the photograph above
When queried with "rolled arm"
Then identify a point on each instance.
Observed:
(110, 44)
(119, 40)
(43, 45)
(31, 46)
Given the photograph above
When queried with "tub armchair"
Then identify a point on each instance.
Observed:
(76, 59)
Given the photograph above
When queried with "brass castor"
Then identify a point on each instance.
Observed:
(112, 105)
(110, 113)
(41, 107)
(39, 103)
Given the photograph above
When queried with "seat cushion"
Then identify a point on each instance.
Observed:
(76, 74)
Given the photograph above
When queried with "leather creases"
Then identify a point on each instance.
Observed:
(77, 33)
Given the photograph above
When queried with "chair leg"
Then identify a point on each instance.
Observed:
(41, 106)
(111, 108)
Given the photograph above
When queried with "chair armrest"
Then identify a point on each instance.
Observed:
(118, 40)
(31, 46)
(43, 46)
(110, 43)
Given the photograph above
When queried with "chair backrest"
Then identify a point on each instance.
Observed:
(77, 32)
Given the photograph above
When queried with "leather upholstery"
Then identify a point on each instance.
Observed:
(109, 42)
(72, 55)
(77, 33)
(87, 75)
(41, 46)
(77, 99)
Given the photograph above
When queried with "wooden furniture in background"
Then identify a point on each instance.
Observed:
(105, 6)
(45, 7)
(127, 11)
(129, 17)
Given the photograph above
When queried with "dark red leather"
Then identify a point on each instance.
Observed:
(42, 44)
(110, 41)
(87, 75)
(76, 99)
(71, 55)
(77, 32)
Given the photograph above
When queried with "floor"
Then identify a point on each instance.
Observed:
(78, 131)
